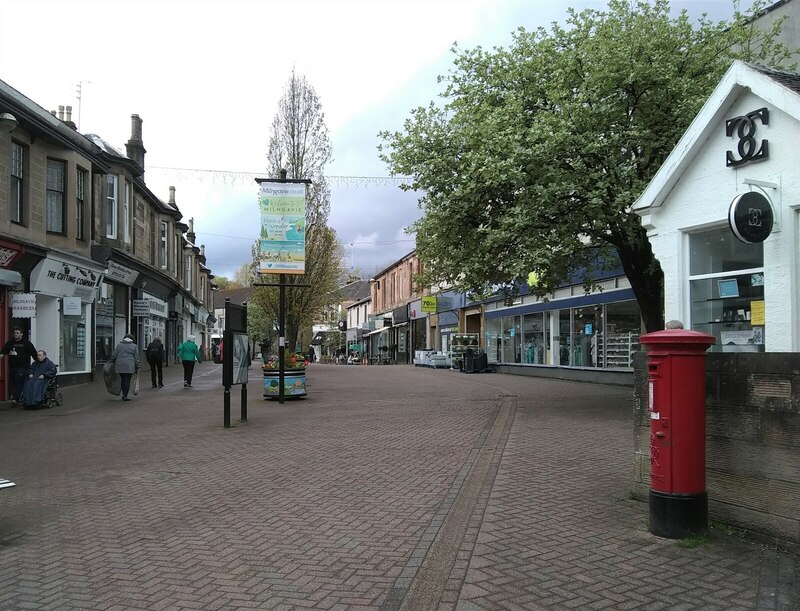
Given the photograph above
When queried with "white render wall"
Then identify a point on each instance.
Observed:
(701, 198)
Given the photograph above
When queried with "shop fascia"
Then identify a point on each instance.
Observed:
(63, 276)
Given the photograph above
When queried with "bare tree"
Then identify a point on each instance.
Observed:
(299, 144)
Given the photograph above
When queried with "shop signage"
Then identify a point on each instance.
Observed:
(428, 304)
(750, 217)
(23, 305)
(158, 307)
(120, 273)
(63, 279)
(8, 252)
(748, 148)
(141, 307)
(72, 306)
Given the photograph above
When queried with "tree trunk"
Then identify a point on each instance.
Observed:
(644, 273)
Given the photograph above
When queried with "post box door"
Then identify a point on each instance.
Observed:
(659, 403)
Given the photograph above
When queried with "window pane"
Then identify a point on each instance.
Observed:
(493, 340)
(623, 326)
(719, 251)
(533, 339)
(55, 196)
(731, 309)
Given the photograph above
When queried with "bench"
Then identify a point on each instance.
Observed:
(6, 483)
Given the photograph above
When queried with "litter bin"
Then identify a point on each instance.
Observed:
(469, 361)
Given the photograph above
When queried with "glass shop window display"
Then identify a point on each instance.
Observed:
(726, 288)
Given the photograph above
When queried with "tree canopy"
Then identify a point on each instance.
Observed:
(299, 144)
(540, 149)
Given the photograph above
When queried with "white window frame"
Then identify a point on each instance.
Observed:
(164, 252)
(111, 191)
(126, 211)
(187, 271)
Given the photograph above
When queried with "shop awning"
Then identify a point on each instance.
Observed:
(377, 331)
(319, 337)
(9, 277)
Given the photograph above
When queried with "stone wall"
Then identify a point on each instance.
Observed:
(752, 440)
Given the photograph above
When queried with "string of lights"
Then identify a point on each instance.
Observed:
(246, 177)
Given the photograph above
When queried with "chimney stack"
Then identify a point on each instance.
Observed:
(61, 112)
(53, 112)
(70, 123)
(171, 196)
(135, 146)
(203, 250)
(190, 234)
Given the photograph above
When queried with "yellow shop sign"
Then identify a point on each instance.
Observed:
(429, 304)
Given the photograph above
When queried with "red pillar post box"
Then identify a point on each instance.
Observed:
(676, 397)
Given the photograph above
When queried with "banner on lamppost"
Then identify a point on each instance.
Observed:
(282, 246)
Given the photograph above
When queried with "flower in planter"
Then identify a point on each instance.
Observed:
(291, 360)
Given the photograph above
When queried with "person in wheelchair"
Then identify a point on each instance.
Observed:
(35, 390)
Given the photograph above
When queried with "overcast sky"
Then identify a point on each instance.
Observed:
(206, 77)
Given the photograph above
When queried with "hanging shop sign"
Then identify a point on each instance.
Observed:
(282, 245)
(750, 217)
(72, 306)
(64, 279)
(120, 273)
(23, 305)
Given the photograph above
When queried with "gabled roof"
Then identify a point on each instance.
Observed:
(781, 89)
(355, 291)
(237, 296)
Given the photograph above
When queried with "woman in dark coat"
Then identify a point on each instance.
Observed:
(35, 388)
(155, 358)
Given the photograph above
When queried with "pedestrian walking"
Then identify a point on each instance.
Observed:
(20, 354)
(126, 362)
(189, 354)
(155, 358)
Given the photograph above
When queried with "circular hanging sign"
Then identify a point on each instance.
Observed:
(750, 217)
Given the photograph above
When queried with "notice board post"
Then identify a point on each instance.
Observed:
(234, 357)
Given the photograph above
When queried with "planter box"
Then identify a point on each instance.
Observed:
(294, 383)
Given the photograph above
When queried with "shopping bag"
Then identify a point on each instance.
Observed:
(112, 379)
(136, 384)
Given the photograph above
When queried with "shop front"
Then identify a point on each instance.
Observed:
(400, 332)
(64, 288)
(10, 280)
(730, 263)
(598, 330)
(111, 311)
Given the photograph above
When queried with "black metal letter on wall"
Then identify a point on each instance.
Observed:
(745, 127)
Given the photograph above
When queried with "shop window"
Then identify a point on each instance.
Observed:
(493, 340)
(727, 301)
(74, 341)
(564, 337)
(587, 330)
(533, 339)
(55, 201)
(511, 339)
(621, 339)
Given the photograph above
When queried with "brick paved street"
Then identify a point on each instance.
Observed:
(388, 488)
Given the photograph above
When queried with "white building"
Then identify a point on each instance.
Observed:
(739, 156)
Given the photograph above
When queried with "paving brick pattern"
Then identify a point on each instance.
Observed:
(333, 502)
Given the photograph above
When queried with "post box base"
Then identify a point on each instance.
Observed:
(675, 516)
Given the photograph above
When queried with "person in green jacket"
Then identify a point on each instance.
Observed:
(188, 353)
